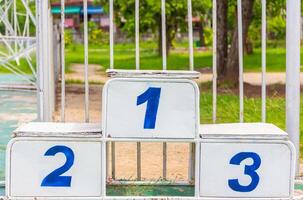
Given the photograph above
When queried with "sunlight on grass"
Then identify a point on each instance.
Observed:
(177, 60)
(228, 110)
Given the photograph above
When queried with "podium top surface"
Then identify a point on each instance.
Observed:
(167, 74)
(242, 131)
(50, 129)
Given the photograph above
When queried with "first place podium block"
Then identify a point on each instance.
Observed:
(55, 160)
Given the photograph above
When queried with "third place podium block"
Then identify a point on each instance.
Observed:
(253, 160)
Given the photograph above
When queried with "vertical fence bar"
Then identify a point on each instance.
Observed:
(139, 161)
(62, 61)
(164, 67)
(111, 33)
(191, 159)
(27, 24)
(86, 61)
(6, 14)
(164, 174)
(111, 46)
(191, 67)
(164, 54)
(40, 99)
(44, 66)
(190, 35)
(113, 160)
(263, 60)
(15, 23)
(137, 20)
(293, 28)
(240, 44)
(107, 158)
(214, 12)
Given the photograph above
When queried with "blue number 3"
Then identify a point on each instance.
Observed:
(54, 179)
(249, 170)
(152, 97)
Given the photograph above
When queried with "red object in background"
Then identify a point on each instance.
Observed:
(69, 23)
(72, 2)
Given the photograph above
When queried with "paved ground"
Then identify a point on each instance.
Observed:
(98, 76)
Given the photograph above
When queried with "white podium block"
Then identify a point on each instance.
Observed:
(246, 161)
(40, 163)
(150, 108)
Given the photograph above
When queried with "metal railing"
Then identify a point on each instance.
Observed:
(293, 65)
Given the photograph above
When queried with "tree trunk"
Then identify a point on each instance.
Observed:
(232, 74)
(201, 33)
(169, 37)
(222, 40)
(159, 38)
(249, 47)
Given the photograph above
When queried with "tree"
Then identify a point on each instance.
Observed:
(150, 17)
(229, 70)
(222, 39)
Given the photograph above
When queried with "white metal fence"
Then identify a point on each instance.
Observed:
(293, 64)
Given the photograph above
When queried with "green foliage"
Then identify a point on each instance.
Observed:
(277, 27)
(96, 36)
(150, 15)
(68, 37)
(208, 35)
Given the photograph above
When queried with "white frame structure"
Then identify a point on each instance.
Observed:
(16, 39)
(293, 61)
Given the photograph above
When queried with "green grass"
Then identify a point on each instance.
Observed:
(177, 59)
(149, 58)
(163, 190)
(228, 110)
(22, 65)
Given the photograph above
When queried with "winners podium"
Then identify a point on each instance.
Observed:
(68, 161)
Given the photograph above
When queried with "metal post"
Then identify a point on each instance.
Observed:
(164, 173)
(293, 19)
(111, 66)
(139, 161)
(111, 33)
(164, 56)
(190, 35)
(164, 67)
(240, 44)
(86, 62)
(137, 19)
(62, 61)
(263, 60)
(27, 25)
(214, 61)
(6, 14)
(191, 67)
(113, 151)
(43, 63)
(191, 163)
(15, 23)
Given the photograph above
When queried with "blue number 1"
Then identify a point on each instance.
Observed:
(152, 97)
(249, 170)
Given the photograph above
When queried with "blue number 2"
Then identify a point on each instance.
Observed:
(54, 179)
(152, 97)
(249, 170)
